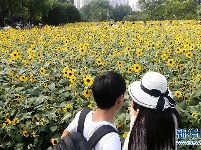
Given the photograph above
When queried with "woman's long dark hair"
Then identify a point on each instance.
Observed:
(154, 129)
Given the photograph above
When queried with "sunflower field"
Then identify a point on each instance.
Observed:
(46, 74)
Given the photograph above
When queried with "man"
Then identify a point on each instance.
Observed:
(108, 92)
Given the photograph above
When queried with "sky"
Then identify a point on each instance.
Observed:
(132, 2)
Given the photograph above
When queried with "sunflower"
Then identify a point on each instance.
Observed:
(11, 73)
(178, 50)
(69, 74)
(138, 52)
(130, 70)
(104, 64)
(65, 69)
(136, 67)
(53, 141)
(120, 124)
(42, 71)
(189, 55)
(125, 135)
(119, 64)
(68, 106)
(88, 80)
(171, 62)
(164, 56)
(19, 97)
(98, 61)
(90, 106)
(15, 121)
(72, 78)
(82, 50)
(23, 78)
(154, 61)
(14, 55)
(76, 93)
(134, 39)
(191, 47)
(178, 94)
(65, 74)
(45, 85)
(128, 49)
(157, 54)
(39, 56)
(8, 121)
(194, 113)
(25, 133)
(33, 134)
(87, 93)
(121, 43)
(122, 40)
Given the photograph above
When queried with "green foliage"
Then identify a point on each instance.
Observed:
(97, 10)
(134, 16)
(169, 9)
(43, 74)
(62, 13)
(27, 10)
(181, 10)
(120, 11)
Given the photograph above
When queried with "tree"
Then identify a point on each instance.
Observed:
(62, 13)
(97, 10)
(153, 8)
(134, 16)
(168, 9)
(38, 8)
(120, 11)
(181, 9)
(27, 10)
(9, 10)
(68, 1)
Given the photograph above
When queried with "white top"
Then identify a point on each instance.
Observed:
(125, 146)
(110, 141)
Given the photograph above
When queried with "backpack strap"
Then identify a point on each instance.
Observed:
(81, 120)
(98, 134)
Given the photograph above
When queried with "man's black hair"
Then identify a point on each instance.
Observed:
(107, 88)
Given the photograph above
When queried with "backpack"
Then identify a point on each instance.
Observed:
(76, 140)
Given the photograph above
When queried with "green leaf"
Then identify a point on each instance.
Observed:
(35, 141)
(53, 128)
(28, 126)
(52, 86)
(35, 92)
(182, 104)
(1, 130)
(67, 116)
(18, 89)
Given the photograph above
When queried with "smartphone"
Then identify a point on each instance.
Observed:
(136, 106)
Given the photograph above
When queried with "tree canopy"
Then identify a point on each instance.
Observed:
(64, 11)
(169, 9)
(97, 10)
(24, 10)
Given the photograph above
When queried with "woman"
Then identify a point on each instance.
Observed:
(154, 119)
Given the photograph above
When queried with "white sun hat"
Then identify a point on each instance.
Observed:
(152, 92)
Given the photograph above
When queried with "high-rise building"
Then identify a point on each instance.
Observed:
(80, 3)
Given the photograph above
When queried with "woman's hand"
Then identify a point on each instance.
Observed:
(133, 113)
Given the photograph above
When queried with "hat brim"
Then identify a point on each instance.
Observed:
(144, 99)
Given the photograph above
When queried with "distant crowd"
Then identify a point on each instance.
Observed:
(20, 25)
